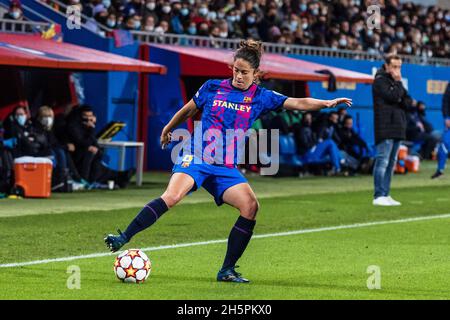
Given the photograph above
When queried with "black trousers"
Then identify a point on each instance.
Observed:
(91, 168)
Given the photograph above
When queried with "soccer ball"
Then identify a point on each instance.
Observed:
(132, 265)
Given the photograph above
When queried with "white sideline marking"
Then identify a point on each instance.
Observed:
(267, 235)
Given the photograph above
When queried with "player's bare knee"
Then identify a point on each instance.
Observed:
(171, 198)
(250, 210)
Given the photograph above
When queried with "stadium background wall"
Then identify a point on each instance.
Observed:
(115, 95)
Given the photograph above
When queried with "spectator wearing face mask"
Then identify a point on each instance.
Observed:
(250, 25)
(200, 15)
(14, 12)
(165, 11)
(64, 169)
(111, 21)
(185, 14)
(234, 25)
(150, 10)
(133, 23)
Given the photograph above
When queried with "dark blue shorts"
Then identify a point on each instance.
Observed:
(214, 178)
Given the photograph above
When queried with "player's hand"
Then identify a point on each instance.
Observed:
(166, 137)
(93, 149)
(333, 103)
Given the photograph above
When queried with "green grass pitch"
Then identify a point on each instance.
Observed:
(326, 263)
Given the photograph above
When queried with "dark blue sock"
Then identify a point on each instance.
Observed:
(148, 216)
(238, 240)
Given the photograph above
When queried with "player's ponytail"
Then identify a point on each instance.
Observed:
(250, 51)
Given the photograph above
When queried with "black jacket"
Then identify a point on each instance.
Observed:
(348, 139)
(81, 136)
(26, 142)
(390, 100)
(446, 102)
(306, 139)
(329, 131)
(46, 139)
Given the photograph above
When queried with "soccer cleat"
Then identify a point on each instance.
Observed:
(382, 201)
(437, 174)
(114, 243)
(393, 202)
(230, 275)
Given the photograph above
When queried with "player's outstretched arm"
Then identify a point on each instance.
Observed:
(188, 111)
(311, 104)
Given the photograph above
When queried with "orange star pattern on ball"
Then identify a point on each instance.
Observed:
(131, 272)
(133, 253)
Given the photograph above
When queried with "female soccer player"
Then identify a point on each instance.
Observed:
(225, 104)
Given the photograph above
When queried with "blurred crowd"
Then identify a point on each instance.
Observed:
(405, 28)
(325, 142)
(330, 142)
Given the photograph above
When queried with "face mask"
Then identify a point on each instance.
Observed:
(400, 35)
(221, 15)
(106, 3)
(315, 12)
(166, 9)
(408, 49)
(137, 25)
(47, 122)
(251, 20)
(203, 11)
(447, 17)
(343, 42)
(111, 23)
(151, 6)
(212, 15)
(369, 33)
(437, 27)
(392, 22)
(184, 12)
(231, 19)
(191, 2)
(238, 18)
(192, 30)
(21, 119)
(223, 34)
(294, 25)
(304, 26)
(149, 28)
(15, 14)
(303, 7)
